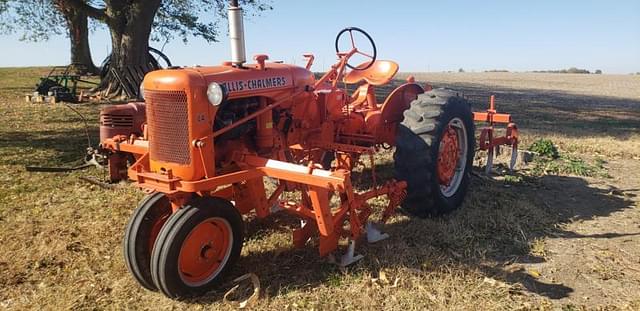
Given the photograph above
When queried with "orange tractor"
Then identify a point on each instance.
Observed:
(205, 139)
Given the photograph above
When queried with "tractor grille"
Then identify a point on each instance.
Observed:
(168, 121)
(114, 120)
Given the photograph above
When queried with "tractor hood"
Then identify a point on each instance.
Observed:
(272, 81)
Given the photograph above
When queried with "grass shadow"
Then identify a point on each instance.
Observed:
(59, 147)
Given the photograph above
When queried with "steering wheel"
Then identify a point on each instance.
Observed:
(350, 30)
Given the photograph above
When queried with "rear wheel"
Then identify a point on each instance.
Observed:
(434, 152)
(140, 236)
(197, 246)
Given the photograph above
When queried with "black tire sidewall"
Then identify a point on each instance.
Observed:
(164, 259)
(137, 255)
(417, 148)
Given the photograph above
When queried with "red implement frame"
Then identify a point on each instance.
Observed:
(316, 184)
(488, 140)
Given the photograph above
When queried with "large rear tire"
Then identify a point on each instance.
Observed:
(140, 236)
(434, 152)
(197, 246)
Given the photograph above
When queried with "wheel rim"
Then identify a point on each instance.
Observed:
(205, 251)
(452, 157)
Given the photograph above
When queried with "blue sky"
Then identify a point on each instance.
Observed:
(419, 35)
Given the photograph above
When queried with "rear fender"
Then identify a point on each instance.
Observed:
(398, 101)
(382, 123)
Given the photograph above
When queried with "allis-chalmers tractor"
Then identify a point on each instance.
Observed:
(206, 138)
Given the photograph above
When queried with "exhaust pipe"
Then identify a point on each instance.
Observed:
(236, 34)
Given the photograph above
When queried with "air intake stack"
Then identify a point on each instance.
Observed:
(236, 34)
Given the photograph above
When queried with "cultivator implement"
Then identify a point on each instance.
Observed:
(246, 188)
(314, 183)
(489, 141)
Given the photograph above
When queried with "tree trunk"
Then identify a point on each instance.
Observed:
(78, 26)
(130, 27)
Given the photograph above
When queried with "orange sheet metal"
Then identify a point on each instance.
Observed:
(491, 117)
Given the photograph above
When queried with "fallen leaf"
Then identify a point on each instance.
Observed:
(534, 273)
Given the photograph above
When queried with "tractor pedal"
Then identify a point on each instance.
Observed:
(350, 257)
(374, 234)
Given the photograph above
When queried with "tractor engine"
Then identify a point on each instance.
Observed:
(197, 117)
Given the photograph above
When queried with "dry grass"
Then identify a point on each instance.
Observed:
(60, 237)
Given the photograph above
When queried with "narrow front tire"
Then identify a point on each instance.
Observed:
(197, 247)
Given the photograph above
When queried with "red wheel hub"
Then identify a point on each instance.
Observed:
(448, 155)
(204, 251)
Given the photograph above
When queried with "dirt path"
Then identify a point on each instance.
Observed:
(596, 255)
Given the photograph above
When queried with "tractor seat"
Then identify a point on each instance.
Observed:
(381, 72)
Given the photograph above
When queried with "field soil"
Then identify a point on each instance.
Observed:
(562, 235)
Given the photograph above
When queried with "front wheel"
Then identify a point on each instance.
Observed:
(435, 146)
(140, 236)
(197, 247)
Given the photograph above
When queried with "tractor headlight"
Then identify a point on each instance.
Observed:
(216, 93)
(141, 92)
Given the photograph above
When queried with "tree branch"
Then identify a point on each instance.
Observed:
(93, 12)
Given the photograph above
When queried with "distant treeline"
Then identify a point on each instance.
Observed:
(570, 70)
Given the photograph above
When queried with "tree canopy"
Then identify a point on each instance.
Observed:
(39, 20)
(36, 20)
(131, 23)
